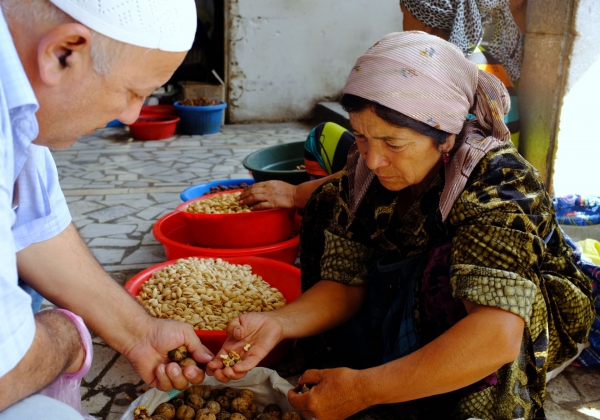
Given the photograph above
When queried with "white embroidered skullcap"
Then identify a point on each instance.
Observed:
(167, 25)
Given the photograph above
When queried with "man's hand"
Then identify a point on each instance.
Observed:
(261, 331)
(269, 195)
(334, 394)
(148, 355)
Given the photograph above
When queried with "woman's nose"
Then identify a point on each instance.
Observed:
(374, 156)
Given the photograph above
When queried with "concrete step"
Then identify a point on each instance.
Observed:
(331, 112)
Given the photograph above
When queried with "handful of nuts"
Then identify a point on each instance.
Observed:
(200, 402)
(207, 293)
(219, 204)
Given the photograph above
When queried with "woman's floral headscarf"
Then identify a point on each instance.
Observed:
(464, 20)
(428, 79)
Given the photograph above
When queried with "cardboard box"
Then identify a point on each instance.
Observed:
(205, 90)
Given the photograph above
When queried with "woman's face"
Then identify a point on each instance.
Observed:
(400, 157)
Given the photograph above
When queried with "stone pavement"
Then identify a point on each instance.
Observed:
(117, 188)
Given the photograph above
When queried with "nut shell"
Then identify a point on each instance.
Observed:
(166, 410)
(223, 402)
(223, 415)
(205, 415)
(291, 415)
(203, 390)
(229, 393)
(273, 410)
(188, 361)
(239, 405)
(185, 413)
(195, 401)
(237, 416)
(213, 407)
(247, 395)
(263, 417)
(178, 354)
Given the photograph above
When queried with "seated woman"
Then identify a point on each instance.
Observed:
(443, 257)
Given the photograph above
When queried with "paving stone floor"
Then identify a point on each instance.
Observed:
(117, 188)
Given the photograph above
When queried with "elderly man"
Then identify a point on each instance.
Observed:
(66, 68)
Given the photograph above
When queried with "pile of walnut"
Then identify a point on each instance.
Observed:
(207, 293)
(219, 204)
(200, 402)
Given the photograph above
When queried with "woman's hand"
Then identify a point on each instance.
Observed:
(262, 332)
(268, 195)
(334, 394)
(149, 356)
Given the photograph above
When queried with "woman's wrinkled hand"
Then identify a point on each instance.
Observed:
(334, 394)
(149, 358)
(268, 195)
(261, 332)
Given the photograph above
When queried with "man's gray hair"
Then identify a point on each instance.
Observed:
(34, 13)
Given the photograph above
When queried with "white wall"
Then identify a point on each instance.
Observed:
(287, 55)
(577, 164)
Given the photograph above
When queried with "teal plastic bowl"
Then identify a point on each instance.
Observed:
(278, 163)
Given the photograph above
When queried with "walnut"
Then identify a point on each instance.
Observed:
(178, 401)
(291, 415)
(247, 395)
(195, 401)
(237, 416)
(252, 407)
(188, 361)
(223, 415)
(166, 410)
(140, 413)
(204, 414)
(157, 418)
(215, 393)
(301, 389)
(248, 414)
(213, 407)
(203, 390)
(185, 413)
(263, 417)
(273, 410)
(223, 402)
(239, 405)
(231, 359)
(229, 393)
(178, 354)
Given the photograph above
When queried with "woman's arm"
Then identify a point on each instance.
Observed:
(482, 342)
(324, 306)
(279, 194)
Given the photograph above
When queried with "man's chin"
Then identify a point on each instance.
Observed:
(57, 144)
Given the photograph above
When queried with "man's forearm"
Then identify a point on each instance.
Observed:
(56, 348)
(66, 273)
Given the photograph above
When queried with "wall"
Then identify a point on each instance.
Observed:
(576, 168)
(284, 56)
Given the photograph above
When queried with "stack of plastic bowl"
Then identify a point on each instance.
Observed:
(264, 233)
(156, 122)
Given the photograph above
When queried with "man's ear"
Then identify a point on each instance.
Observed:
(62, 48)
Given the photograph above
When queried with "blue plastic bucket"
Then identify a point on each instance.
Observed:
(200, 119)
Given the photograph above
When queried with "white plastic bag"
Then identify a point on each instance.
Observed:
(267, 385)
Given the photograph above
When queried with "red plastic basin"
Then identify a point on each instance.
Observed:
(238, 230)
(160, 110)
(173, 233)
(153, 127)
(284, 277)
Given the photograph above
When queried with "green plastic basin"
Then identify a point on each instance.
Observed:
(278, 163)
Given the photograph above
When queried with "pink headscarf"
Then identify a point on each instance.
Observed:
(428, 79)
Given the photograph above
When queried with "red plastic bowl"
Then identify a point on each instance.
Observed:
(238, 230)
(284, 277)
(173, 233)
(153, 127)
(161, 110)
